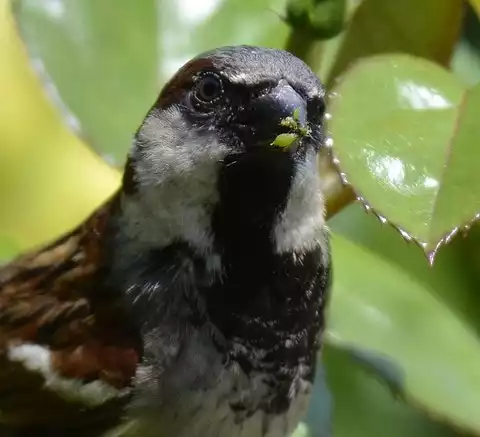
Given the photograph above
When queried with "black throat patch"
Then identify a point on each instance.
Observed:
(269, 306)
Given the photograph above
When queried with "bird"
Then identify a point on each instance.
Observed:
(192, 301)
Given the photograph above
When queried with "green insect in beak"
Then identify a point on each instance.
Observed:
(297, 131)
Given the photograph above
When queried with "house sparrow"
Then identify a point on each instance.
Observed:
(191, 304)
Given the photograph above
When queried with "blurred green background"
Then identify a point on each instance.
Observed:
(402, 352)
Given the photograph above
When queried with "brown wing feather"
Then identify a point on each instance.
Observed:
(55, 301)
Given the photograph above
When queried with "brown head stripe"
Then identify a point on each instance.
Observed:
(182, 80)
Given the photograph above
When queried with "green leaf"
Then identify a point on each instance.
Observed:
(404, 132)
(453, 278)
(108, 59)
(427, 28)
(364, 405)
(399, 327)
(357, 404)
(102, 60)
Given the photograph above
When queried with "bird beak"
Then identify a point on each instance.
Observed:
(277, 118)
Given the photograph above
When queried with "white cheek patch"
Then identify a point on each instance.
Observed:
(169, 147)
(301, 225)
(177, 175)
(36, 358)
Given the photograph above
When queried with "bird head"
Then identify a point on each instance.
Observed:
(230, 142)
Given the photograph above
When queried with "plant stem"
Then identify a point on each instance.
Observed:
(337, 194)
(311, 24)
(303, 46)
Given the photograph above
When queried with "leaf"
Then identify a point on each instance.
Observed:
(397, 326)
(476, 5)
(108, 59)
(429, 29)
(453, 278)
(364, 406)
(404, 133)
(49, 180)
(356, 404)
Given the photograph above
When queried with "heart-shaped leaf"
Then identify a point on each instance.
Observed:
(398, 327)
(405, 132)
(108, 59)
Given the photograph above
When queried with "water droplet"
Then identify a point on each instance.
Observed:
(382, 219)
(406, 236)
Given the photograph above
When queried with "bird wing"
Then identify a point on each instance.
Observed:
(67, 349)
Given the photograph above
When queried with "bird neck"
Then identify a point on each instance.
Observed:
(265, 228)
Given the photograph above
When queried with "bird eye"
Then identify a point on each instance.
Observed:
(208, 88)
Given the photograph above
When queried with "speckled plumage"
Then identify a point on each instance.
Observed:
(190, 304)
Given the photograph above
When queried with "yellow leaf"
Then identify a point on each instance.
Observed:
(49, 179)
(476, 5)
